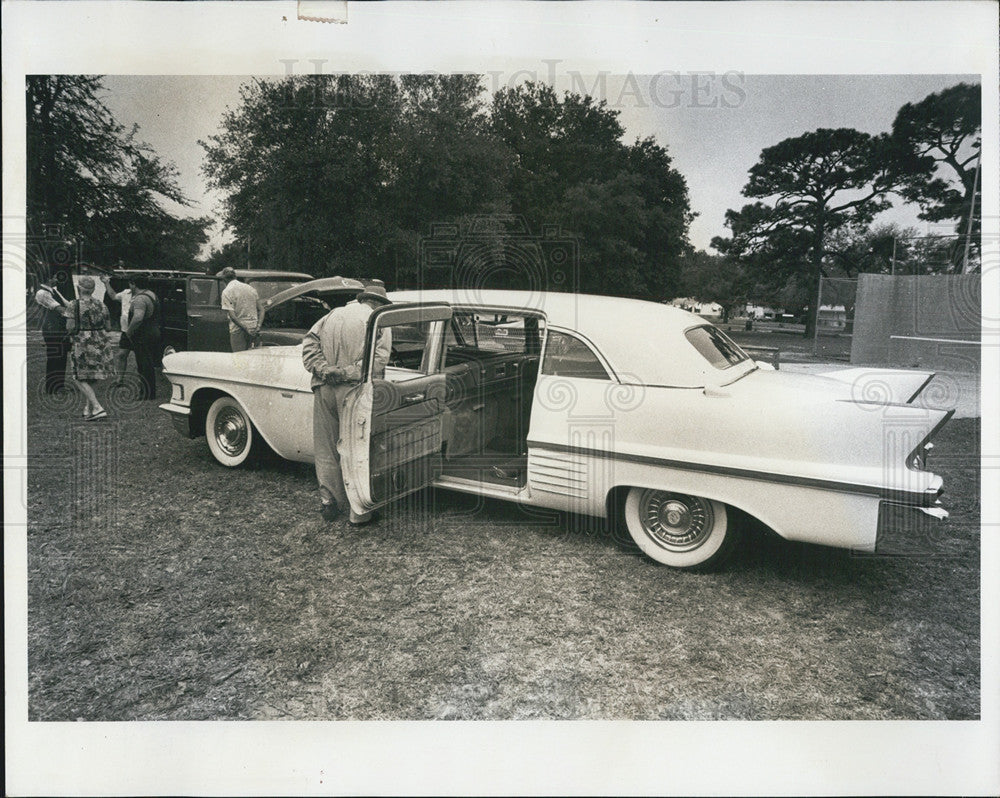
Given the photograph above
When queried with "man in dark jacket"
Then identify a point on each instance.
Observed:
(57, 340)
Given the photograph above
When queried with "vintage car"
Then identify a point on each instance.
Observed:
(191, 314)
(593, 405)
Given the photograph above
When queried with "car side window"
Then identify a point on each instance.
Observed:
(568, 356)
(203, 291)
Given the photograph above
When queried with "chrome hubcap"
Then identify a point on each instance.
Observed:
(674, 521)
(231, 431)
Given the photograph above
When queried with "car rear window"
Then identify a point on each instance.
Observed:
(716, 347)
(568, 356)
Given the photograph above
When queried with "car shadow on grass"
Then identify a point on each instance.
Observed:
(759, 550)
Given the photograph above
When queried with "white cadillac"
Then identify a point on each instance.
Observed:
(593, 405)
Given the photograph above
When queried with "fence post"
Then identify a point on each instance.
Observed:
(819, 303)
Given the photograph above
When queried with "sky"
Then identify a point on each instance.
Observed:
(714, 126)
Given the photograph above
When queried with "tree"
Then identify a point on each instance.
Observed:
(232, 254)
(345, 174)
(855, 250)
(625, 206)
(817, 184)
(945, 129)
(95, 183)
(712, 278)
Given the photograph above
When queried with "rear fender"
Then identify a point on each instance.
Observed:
(883, 386)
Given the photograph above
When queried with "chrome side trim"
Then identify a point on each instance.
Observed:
(920, 390)
(920, 498)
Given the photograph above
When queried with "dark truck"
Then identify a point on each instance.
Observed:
(191, 314)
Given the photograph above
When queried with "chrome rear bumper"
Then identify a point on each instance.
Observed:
(905, 530)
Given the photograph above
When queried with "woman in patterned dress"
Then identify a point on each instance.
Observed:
(88, 323)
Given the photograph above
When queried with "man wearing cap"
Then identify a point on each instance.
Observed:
(332, 352)
(242, 303)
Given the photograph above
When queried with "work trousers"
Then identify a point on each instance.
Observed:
(57, 346)
(327, 403)
(240, 341)
(145, 363)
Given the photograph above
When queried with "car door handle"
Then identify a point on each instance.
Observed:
(414, 397)
(194, 315)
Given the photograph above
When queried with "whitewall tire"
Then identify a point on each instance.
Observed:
(679, 530)
(232, 438)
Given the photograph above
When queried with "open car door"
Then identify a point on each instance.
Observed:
(391, 424)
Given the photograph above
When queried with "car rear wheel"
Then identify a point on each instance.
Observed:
(678, 530)
(232, 438)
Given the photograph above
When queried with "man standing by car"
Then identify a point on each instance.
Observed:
(332, 352)
(242, 304)
(125, 298)
(143, 333)
(57, 342)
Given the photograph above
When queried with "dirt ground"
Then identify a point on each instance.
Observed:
(165, 587)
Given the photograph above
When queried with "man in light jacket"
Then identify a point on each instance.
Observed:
(242, 304)
(332, 352)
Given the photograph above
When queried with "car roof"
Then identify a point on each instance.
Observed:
(641, 340)
(271, 274)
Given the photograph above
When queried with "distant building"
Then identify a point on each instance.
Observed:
(695, 306)
(832, 317)
(763, 312)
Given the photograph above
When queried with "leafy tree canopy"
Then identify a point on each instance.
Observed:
(354, 174)
(625, 204)
(944, 127)
(712, 278)
(93, 184)
(338, 174)
(816, 184)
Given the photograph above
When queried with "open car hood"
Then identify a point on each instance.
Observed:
(332, 287)
(289, 314)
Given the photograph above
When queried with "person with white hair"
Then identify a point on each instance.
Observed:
(88, 323)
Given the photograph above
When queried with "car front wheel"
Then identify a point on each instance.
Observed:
(678, 530)
(232, 438)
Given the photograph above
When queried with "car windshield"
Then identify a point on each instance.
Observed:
(716, 347)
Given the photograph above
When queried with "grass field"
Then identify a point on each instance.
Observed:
(791, 343)
(163, 586)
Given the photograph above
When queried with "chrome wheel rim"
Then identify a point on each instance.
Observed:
(674, 521)
(231, 431)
